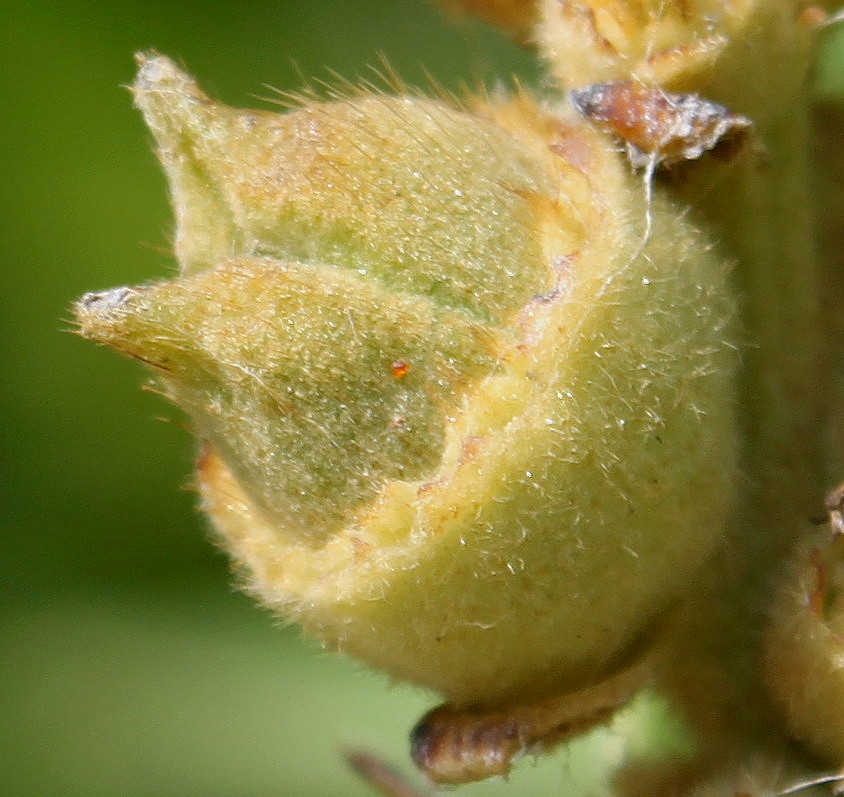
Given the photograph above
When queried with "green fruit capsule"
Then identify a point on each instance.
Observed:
(460, 416)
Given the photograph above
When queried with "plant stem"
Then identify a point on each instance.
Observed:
(761, 214)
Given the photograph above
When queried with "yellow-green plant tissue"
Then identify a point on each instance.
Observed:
(464, 398)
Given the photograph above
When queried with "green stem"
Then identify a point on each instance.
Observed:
(761, 215)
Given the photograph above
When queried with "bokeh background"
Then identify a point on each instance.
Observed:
(129, 665)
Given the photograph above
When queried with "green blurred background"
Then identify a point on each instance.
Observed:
(130, 666)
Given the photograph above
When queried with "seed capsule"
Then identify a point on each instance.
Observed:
(455, 417)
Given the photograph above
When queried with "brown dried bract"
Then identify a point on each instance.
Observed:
(454, 745)
(658, 124)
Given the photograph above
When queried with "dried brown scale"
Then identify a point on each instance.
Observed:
(655, 123)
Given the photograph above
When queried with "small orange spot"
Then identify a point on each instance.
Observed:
(399, 368)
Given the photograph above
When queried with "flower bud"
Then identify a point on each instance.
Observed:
(804, 644)
(680, 45)
(461, 416)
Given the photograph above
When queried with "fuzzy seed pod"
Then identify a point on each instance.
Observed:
(460, 416)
